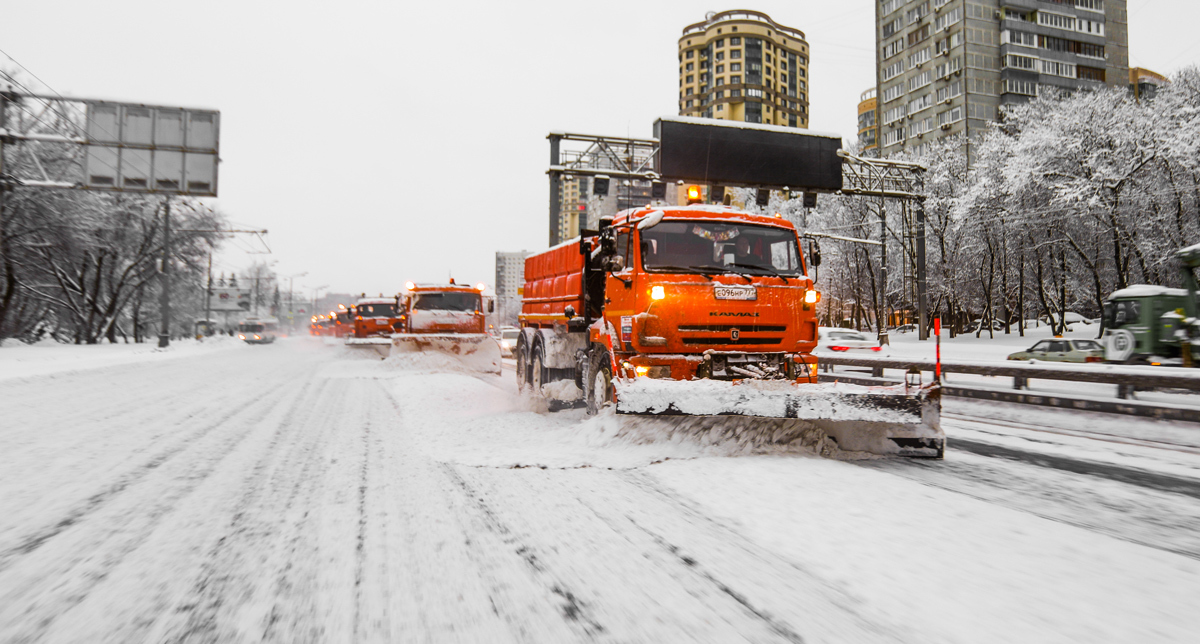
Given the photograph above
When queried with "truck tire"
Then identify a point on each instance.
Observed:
(599, 389)
(537, 375)
(522, 355)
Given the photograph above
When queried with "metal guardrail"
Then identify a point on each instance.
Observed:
(1125, 378)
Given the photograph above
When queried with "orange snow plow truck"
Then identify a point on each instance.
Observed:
(449, 319)
(698, 315)
(375, 320)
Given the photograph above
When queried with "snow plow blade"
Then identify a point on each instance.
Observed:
(379, 344)
(477, 351)
(877, 420)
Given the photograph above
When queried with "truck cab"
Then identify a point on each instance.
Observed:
(442, 308)
(375, 316)
(676, 293)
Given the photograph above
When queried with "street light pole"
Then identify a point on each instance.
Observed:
(164, 302)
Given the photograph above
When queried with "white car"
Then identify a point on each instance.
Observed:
(846, 341)
(508, 341)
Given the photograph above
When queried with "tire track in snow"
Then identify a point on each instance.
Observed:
(38, 538)
(574, 611)
(163, 503)
(233, 564)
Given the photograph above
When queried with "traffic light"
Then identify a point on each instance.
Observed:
(716, 194)
(810, 200)
(763, 197)
(658, 190)
(600, 185)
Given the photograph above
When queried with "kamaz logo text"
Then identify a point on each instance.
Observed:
(733, 314)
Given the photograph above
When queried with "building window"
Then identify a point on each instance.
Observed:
(1056, 20)
(718, 94)
(1091, 73)
(690, 67)
(1020, 62)
(720, 55)
(720, 108)
(783, 78)
(737, 93)
(690, 53)
(1090, 5)
(720, 80)
(689, 91)
(1011, 37)
(893, 70)
(691, 79)
(1055, 68)
(893, 48)
(736, 53)
(720, 42)
(735, 67)
(720, 69)
(689, 103)
(734, 80)
(1020, 87)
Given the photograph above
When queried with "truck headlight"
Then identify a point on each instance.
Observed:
(658, 293)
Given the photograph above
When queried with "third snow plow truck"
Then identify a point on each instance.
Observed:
(704, 317)
(447, 318)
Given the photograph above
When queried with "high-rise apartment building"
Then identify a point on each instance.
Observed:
(510, 280)
(867, 125)
(743, 66)
(572, 206)
(946, 66)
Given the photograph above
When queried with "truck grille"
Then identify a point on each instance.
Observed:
(726, 328)
(710, 341)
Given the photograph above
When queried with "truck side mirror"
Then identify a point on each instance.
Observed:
(816, 255)
(616, 264)
(491, 306)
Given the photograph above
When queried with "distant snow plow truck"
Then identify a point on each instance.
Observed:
(374, 322)
(447, 318)
(697, 314)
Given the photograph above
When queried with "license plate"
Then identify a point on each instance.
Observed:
(735, 292)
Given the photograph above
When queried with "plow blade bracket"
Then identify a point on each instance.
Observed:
(381, 345)
(478, 351)
(877, 420)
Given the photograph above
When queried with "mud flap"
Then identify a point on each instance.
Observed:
(876, 420)
(477, 351)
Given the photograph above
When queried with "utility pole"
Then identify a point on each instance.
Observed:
(6, 96)
(883, 274)
(208, 296)
(164, 301)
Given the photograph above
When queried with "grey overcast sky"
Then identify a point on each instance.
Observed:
(381, 141)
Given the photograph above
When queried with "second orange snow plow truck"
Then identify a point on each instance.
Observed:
(450, 319)
(374, 321)
(697, 313)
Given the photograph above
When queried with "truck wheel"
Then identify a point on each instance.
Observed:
(599, 391)
(537, 378)
(522, 367)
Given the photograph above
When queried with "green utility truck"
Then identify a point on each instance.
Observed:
(1146, 324)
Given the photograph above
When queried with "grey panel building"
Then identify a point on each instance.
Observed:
(946, 66)
(510, 280)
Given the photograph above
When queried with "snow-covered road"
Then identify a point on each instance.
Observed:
(302, 493)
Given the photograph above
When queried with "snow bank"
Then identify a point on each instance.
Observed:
(19, 360)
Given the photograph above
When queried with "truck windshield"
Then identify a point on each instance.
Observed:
(376, 310)
(250, 328)
(710, 246)
(446, 302)
(1122, 312)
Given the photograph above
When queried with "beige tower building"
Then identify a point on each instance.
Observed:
(743, 66)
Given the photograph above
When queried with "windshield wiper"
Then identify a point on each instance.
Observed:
(700, 270)
(769, 270)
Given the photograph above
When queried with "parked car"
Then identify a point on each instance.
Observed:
(1071, 317)
(845, 341)
(905, 328)
(508, 340)
(1057, 350)
(997, 325)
